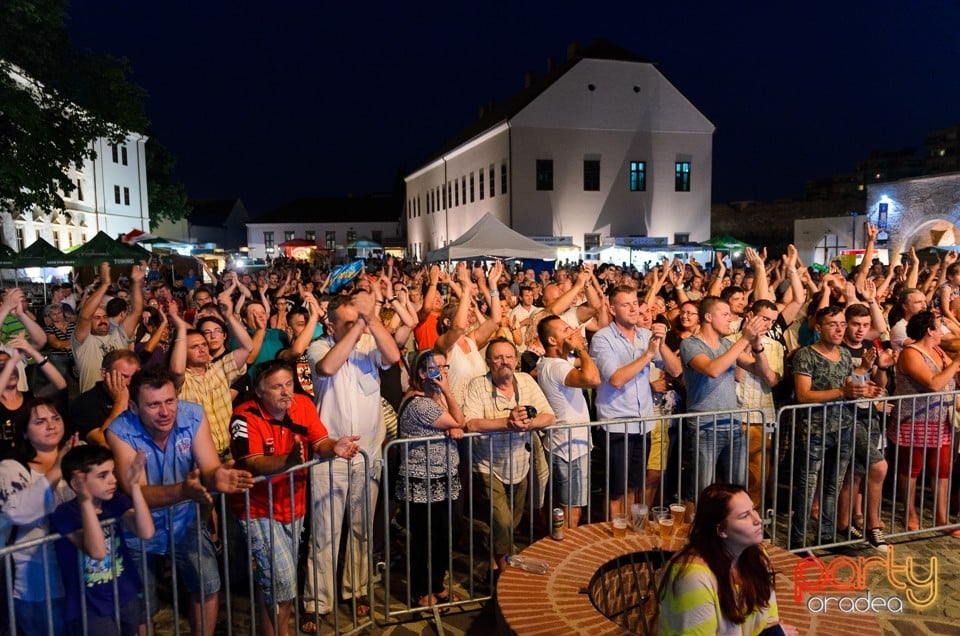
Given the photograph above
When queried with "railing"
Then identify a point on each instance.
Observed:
(451, 543)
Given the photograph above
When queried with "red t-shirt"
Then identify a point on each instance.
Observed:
(425, 333)
(253, 433)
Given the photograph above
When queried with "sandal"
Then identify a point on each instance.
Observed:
(952, 532)
(428, 602)
(447, 597)
(363, 605)
(307, 625)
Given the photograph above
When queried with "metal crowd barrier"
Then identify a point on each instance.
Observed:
(790, 472)
(312, 476)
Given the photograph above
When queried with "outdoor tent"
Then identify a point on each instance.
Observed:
(490, 238)
(103, 248)
(724, 243)
(42, 254)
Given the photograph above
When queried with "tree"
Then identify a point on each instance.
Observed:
(54, 101)
(166, 196)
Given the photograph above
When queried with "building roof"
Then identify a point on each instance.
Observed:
(372, 208)
(502, 111)
(211, 212)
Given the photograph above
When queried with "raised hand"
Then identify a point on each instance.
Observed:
(105, 274)
(137, 273)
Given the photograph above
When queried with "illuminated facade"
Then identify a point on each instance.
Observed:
(603, 146)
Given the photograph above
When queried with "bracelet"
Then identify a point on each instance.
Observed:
(179, 339)
(390, 300)
(495, 293)
(791, 270)
(760, 350)
(45, 360)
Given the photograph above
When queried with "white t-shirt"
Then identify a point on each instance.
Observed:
(569, 407)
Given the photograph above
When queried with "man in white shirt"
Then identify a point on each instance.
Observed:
(346, 382)
(562, 384)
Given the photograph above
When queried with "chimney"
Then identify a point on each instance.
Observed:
(573, 49)
(528, 79)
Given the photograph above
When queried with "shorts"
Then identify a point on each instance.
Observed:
(276, 563)
(131, 618)
(570, 480)
(627, 461)
(659, 446)
(868, 444)
(189, 563)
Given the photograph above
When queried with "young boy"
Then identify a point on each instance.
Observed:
(89, 471)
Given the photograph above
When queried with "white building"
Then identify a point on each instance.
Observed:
(329, 225)
(603, 146)
(111, 195)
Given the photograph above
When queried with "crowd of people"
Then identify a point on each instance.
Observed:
(140, 400)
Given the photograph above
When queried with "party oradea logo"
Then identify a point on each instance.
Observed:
(841, 583)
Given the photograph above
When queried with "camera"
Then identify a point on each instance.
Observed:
(531, 411)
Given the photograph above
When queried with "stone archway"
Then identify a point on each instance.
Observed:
(936, 232)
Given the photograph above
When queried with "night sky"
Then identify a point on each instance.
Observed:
(271, 103)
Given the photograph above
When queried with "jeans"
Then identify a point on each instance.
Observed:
(818, 452)
(715, 453)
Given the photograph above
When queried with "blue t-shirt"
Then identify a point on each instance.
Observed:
(703, 392)
(97, 575)
(164, 467)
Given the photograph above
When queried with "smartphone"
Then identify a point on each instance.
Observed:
(434, 375)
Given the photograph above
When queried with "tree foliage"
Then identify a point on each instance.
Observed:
(166, 196)
(54, 101)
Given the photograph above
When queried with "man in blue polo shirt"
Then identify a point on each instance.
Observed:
(624, 351)
(176, 437)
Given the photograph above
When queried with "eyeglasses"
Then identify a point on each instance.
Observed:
(212, 332)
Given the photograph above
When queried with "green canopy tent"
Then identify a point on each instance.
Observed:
(101, 248)
(41, 254)
(725, 242)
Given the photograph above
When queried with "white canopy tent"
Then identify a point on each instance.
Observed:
(490, 238)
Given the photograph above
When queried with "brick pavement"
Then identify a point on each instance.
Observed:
(941, 618)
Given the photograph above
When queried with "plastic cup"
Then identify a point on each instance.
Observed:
(638, 516)
(620, 527)
(679, 512)
(666, 527)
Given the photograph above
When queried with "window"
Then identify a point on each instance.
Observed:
(311, 235)
(638, 176)
(330, 238)
(591, 241)
(456, 193)
(591, 175)
(126, 196)
(123, 155)
(449, 195)
(289, 236)
(463, 189)
(544, 174)
(79, 190)
(444, 194)
(115, 150)
(20, 239)
(116, 194)
(351, 235)
(482, 191)
(376, 236)
(268, 241)
(471, 188)
(681, 238)
(493, 188)
(503, 178)
(682, 180)
(56, 239)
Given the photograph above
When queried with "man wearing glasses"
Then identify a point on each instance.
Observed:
(499, 401)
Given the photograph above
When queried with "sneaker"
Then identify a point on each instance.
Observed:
(853, 533)
(876, 538)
